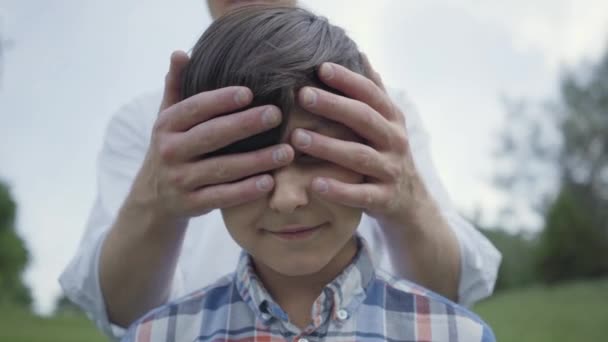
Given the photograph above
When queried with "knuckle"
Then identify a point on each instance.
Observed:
(363, 157)
(162, 122)
(401, 142)
(204, 139)
(214, 199)
(193, 205)
(370, 86)
(392, 170)
(369, 115)
(220, 170)
(166, 150)
(247, 122)
(189, 107)
(369, 199)
(177, 178)
(332, 101)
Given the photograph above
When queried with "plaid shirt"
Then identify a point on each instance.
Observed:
(361, 304)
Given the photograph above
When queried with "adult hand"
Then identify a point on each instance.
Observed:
(421, 244)
(393, 186)
(175, 181)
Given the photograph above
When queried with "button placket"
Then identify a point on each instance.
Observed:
(342, 315)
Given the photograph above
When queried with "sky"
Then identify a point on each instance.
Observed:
(73, 63)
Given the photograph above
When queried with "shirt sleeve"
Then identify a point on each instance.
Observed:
(124, 147)
(479, 258)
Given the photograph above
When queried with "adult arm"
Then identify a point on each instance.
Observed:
(137, 243)
(479, 259)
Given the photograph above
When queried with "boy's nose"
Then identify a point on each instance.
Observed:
(290, 190)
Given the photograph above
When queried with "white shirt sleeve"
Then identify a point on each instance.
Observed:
(479, 258)
(124, 147)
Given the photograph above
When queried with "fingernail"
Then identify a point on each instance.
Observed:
(279, 155)
(327, 71)
(263, 184)
(309, 97)
(270, 117)
(302, 139)
(320, 185)
(241, 97)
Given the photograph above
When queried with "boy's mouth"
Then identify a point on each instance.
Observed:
(296, 232)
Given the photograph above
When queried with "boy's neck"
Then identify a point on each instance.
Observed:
(296, 294)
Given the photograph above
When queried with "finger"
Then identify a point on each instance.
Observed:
(365, 196)
(371, 72)
(221, 131)
(204, 106)
(230, 194)
(172, 92)
(349, 154)
(224, 169)
(357, 115)
(358, 87)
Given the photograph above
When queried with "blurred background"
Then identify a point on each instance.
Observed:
(514, 96)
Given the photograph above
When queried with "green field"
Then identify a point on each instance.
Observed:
(16, 325)
(572, 312)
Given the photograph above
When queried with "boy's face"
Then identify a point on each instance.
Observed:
(292, 231)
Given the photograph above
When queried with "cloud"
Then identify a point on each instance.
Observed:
(563, 31)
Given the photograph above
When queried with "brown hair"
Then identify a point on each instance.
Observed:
(274, 51)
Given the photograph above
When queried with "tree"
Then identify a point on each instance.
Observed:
(13, 254)
(517, 268)
(574, 244)
(556, 161)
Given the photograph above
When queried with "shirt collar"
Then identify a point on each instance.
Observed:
(344, 293)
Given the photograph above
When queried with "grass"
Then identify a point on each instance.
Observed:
(568, 312)
(18, 325)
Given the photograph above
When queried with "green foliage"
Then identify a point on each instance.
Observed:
(573, 243)
(19, 325)
(558, 166)
(574, 311)
(517, 268)
(7, 209)
(13, 254)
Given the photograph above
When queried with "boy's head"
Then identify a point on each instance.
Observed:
(218, 8)
(275, 52)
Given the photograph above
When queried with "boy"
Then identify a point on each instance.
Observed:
(304, 274)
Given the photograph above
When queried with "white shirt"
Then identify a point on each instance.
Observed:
(209, 247)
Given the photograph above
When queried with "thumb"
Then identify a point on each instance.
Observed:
(172, 92)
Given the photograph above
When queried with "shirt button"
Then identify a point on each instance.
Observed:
(342, 314)
(302, 340)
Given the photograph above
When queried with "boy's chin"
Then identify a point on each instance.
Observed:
(299, 267)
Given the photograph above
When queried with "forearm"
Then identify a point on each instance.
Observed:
(137, 262)
(423, 247)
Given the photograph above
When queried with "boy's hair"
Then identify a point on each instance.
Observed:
(274, 51)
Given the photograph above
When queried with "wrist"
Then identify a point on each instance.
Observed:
(150, 217)
(416, 208)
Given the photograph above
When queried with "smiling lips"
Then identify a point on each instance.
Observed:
(296, 232)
